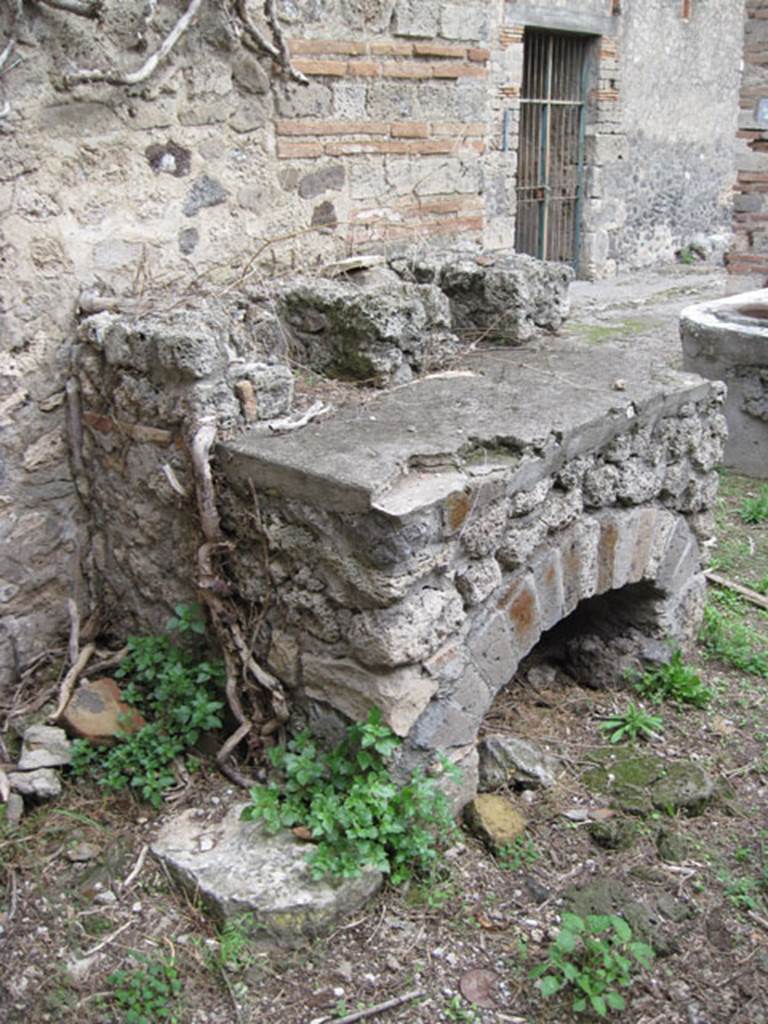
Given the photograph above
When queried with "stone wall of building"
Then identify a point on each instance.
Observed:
(748, 257)
(660, 123)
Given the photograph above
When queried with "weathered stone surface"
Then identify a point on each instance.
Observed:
(205, 192)
(81, 853)
(727, 340)
(44, 746)
(638, 783)
(500, 297)
(511, 759)
(376, 328)
(409, 632)
(14, 809)
(272, 386)
(96, 712)
(494, 819)
(401, 694)
(42, 783)
(236, 868)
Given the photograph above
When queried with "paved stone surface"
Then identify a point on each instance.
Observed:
(503, 405)
(236, 868)
(44, 746)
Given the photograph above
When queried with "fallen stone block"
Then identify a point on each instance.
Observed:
(494, 820)
(236, 868)
(42, 783)
(44, 746)
(511, 759)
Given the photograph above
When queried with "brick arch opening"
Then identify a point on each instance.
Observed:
(630, 573)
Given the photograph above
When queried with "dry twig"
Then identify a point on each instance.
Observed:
(750, 595)
(136, 870)
(372, 1011)
(69, 680)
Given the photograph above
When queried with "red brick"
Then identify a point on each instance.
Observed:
(479, 54)
(298, 150)
(458, 71)
(406, 69)
(392, 49)
(439, 50)
(330, 68)
(409, 130)
(330, 46)
(365, 68)
(365, 146)
(332, 127)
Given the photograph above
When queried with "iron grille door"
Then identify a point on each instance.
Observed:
(550, 169)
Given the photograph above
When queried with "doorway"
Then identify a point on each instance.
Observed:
(550, 171)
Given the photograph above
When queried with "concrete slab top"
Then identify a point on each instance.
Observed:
(501, 409)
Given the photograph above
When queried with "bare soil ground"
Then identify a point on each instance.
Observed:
(66, 927)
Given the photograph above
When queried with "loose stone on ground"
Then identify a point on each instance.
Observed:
(494, 820)
(237, 868)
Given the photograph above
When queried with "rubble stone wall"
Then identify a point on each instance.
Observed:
(421, 600)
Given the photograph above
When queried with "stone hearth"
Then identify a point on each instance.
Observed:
(421, 544)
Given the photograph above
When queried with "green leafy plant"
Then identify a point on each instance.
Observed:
(522, 853)
(148, 992)
(727, 635)
(675, 681)
(632, 724)
(455, 1010)
(176, 693)
(754, 510)
(594, 956)
(356, 813)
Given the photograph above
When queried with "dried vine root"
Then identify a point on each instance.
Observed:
(239, 661)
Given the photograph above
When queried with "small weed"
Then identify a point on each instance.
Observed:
(522, 853)
(175, 691)
(754, 510)
(761, 586)
(674, 681)
(742, 891)
(633, 724)
(354, 809)
(455, 1010)
(594, 956)
(148, 992)
(234, 952)
(726, 635)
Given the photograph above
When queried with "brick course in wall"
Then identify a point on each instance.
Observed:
(748, 256)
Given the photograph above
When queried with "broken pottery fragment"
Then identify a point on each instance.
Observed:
(96, 712)
(44, 746)
(236, 868)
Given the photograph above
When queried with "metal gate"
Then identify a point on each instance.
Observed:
(550, 168)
